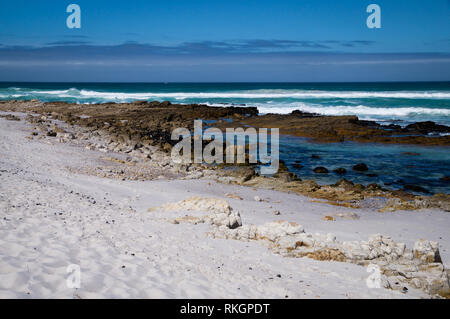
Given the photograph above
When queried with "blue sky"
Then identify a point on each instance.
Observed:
(233, 40)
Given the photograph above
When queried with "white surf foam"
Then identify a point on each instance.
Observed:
(254, 94)
(271, 106)
(357, 110)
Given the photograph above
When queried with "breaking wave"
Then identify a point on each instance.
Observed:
(249, 94)
(357, 110)
(420, 105)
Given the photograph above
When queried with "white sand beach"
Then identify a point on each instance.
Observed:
(52, 216)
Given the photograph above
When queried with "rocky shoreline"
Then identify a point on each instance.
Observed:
(327, 129)
(116, 130)
(138, 135)
(420, 267)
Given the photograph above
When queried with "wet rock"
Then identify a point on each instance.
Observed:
(415, 188)
(427, 127)
(166, 103)
(51, 134)
(340, 171)
(285, 176)
(344, 183)
(321, 170)
(314, 156)
(361, 167)
(302, 114)
(392, 127)
(373, 187)
(140, 102)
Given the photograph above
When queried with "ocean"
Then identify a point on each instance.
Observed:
(399, 103)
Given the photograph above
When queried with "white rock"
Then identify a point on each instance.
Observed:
(331, 238)
(426, 251)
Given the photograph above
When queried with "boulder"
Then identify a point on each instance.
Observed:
(361, 167)
(340, 171)
(427, 251)
(321, 170)
(415, 188)
(427, 127)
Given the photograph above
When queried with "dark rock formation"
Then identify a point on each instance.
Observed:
(415, 188)
(340, 171)
(427, 127)
(361, 167)
(321, 170)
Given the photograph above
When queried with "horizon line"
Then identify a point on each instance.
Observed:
(224, 82)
